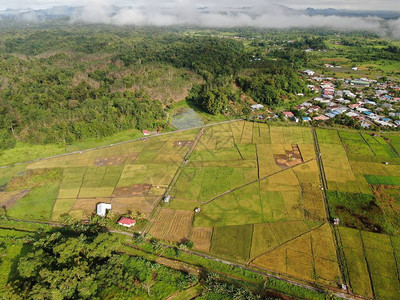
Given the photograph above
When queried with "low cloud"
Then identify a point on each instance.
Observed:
(185, 12)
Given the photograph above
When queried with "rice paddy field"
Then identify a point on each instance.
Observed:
(241, 191)
(362, 174)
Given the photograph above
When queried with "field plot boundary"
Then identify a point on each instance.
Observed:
(284, 243)
(254, 181)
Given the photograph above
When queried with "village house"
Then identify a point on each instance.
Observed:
(288, 114)
(127, 222)
(309, 72)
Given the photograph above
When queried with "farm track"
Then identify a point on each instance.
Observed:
(254, 181)
(338, 246)
(117, 144)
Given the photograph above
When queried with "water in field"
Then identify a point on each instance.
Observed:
(186, 118)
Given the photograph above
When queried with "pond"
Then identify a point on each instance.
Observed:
(186, 118)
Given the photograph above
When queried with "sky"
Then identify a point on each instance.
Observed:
(297, 4)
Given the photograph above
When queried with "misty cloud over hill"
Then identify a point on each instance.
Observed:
(186, 13)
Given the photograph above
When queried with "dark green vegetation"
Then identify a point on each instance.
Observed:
(85, 262)
(358, 211)
(72, 83)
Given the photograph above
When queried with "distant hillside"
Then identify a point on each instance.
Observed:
(62, 12)
(384, 14)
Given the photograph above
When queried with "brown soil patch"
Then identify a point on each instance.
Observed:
(8, 199)
(289, 159)
(173, 225)
(131, 191)
(114, 160)
(162, 223)
(89, 205)
(182, 143)
(201, 238)
(134, 204)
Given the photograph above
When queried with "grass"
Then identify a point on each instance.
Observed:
(383, 180)
(37, 205)
(189, 293)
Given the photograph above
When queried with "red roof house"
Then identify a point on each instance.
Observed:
(288, 114)
(127, 222)
(146, 132)
(321, 118)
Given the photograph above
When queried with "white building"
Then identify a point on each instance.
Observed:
(309, 72)
(102, 209)
(257, 106)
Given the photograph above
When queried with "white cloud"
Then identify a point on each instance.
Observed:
(338, 4)
(224, 13)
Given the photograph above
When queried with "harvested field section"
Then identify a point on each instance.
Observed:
(172, 225)
(181, 225)
(134, 204)
(201, 238)
(88, 205)
(134, 190)
(114, 160)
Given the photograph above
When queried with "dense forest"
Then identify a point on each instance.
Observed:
(85, 262)
(67, 84)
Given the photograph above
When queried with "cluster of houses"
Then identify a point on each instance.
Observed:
(370, 102)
